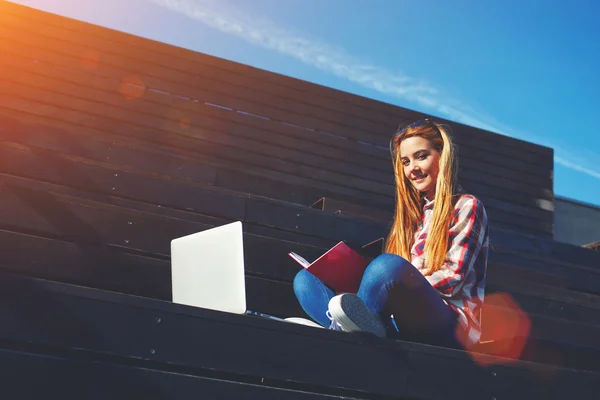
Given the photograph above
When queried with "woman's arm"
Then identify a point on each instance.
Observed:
(468, 234)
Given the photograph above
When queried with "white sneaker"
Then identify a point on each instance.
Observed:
(334, 326)
(352, 315)
(303, 321)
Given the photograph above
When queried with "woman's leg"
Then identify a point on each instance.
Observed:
(392, 285)
(313, 296)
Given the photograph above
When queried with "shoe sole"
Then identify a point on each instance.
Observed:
(302, 321)
(337, 312)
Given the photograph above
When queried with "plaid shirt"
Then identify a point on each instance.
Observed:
(461, 280)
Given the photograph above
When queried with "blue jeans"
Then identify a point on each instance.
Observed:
(390, 286)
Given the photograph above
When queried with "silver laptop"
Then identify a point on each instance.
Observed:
(207, 270)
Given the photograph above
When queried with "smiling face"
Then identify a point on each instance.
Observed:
(420, 161)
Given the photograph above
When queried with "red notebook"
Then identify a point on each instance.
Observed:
(341, 268)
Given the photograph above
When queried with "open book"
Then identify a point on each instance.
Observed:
(341, 267)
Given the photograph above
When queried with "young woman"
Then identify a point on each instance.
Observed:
(428, 286)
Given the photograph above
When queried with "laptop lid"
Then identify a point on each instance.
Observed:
(207, 269)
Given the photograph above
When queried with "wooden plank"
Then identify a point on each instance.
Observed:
(102, 74)
(70, 375)
(261, 211)
(544, 305)
(570, 255)
(119, 111)
(97, 266)
(342, 207)
(57, 211)
(546, 214)
(563, 385)
(179, 167)
(471, 140)
(353, 186)
(245, 182)
(311, 222)
(23, 207)
(516, 273)
(544, 329)
(75, 73)
(86, 180)
(548, 323)
(576, 277)
(386, 215)
(190, 165)
(186, 196)
(37, 312)
(52, 211)
(531, 285)
(85, 264)
(476, 164)
(480, 383)
(119, 182)
(100, 267)
(528, 271)
(381, 163)
(97, 178)
(115, 270)
(50, 167)
(139, 45)
(505, 380)
(495, 215)
(60, 212)
(548, 353)
(160, 110)
(111, 151)
(245, 99)
(287, 188)
(528, 254)
(499, 214)
(543, 216)
(94, 146)
(129, 153)
(46, 254)
(110, 268)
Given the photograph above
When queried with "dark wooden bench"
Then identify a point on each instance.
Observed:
(269, 126)
(97, 176)
(32, 207)
(79, 342)
(100, 240)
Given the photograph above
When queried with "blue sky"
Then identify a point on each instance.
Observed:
(526, 69)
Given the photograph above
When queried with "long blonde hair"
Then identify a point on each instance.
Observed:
(409, 206)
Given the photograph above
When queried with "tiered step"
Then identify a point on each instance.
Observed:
(80, 342)
(94, 239)
(124, 200)
(305, 140)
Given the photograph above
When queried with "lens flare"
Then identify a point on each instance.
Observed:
(132, 87)
(506, 328)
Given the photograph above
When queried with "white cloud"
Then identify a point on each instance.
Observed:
(335, 60)
(310, 51)
(577, 167)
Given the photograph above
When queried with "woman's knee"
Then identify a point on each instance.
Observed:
(388, 267)
(302, 282)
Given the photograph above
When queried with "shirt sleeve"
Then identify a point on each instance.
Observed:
(467, 235)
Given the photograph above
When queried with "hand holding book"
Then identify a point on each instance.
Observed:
(341, 267)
